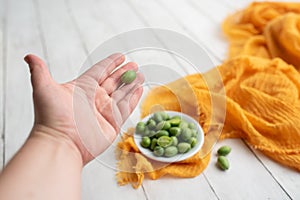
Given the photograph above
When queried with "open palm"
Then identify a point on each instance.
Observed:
(88, 110)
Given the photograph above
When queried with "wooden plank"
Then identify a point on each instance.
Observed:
(205, 8)
(181, 187)
(182, 10)
(168, 20)
(99, 179)
(241, 4)
(287, 178)
(245, 175)
(198, 25)
(237, 5)
(22, 38)
(113, 25)
(120, 12)
(99, 175)
(65, 51)
(162, 18)
(99, 182)
(222, 12)
(2, 77)
(90, 24)
(65, 63)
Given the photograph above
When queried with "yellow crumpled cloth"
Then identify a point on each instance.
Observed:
(262, 95)
(133, 166)
(265, 29)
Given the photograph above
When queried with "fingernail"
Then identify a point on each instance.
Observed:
(118, 56)
(26, 59)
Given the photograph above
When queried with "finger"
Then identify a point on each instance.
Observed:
(107, 108)
(127, 105)
(111, 113)
(101, 70)
(113, 81)
(135, 98)
(110, 133)
(127, 89)
(40, 75)
(101, 98)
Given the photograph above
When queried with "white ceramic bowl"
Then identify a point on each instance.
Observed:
(179, 157)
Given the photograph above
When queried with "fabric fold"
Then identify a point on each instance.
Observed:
(262, 99)
(262, 107)
(265, 29)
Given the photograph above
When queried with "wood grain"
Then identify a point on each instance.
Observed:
(98, 177)
(287, 179)
(2, 77)
(245, 178)
(66, 32)
(22, 38)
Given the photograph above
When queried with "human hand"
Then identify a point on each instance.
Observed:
(89, 110)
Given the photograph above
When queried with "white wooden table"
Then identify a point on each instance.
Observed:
(65, 32)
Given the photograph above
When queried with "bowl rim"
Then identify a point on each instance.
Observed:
(179, 157)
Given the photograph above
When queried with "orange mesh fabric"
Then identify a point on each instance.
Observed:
(262, 94)
(265, 29)
(282, 37)
(133, 166)
(262, 107)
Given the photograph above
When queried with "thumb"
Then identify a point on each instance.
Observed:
(40, 75)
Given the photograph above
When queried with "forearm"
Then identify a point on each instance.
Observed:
(48, 166)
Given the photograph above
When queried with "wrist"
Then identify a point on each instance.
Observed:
(52, 137)
(48, 165)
